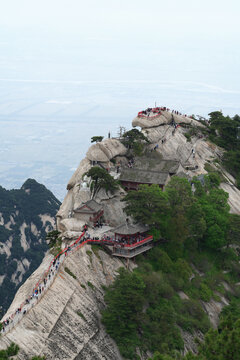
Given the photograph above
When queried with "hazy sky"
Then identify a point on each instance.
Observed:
(126, 39)
(124, 18)
(72, 69)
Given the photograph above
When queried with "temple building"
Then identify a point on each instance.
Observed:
(90, 212)
(149, 171)
(132, 178)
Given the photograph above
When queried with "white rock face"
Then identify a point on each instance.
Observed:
(65, 324)
(78, 193)
(34, 229)
(164, 119)
(5, 248)
(2, 277)
(172, 145)
(25, 245)
(105, 150)
(194, 154)
(213, 309)
(20, 269)
(234, 197)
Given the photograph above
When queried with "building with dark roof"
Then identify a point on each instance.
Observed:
(130, 230)
(90, 212)
(149, 170)
(131, 240)
(131, 178)
(154, 162)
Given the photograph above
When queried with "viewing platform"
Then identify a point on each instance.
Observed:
(127, 240)
(129, 251)
(131, 240)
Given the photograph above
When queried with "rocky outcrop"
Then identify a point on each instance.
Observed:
(213, 309)
(234, 197)
(79, 188)
(193, 153)
(172, 144)
(165, 118)
(65, 324)
(105, 150)
(169, 142)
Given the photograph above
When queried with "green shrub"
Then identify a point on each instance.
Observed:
(192, 317)
(52, 238)
(165, 290)
(160, 260)
(68, 271)
(192, 132)
(91, 285)
(96, 139)
(182, 269)
(12, 350)
(81, 315)
(95, 249)
(175, 281)
(188, 136)
(202, 263)
(89, 253)
(205, 292)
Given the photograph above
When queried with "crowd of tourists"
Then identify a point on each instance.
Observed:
(126, 240)
(49, 275)
(156, 111)
(41, 287)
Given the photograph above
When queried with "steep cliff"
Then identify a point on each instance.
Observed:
(79, 190)
(181, 138)
(65, 324)
(174, 137)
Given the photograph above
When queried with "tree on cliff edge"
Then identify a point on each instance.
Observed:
(101, 179)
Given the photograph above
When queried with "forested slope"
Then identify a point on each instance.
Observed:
(26, 215)
(180, 287)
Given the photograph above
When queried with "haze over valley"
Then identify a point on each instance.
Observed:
(92, 67)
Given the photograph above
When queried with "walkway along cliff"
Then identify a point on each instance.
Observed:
(56, 312)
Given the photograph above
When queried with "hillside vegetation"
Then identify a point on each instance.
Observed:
(195, 261)
(225, 132)
(22, 234)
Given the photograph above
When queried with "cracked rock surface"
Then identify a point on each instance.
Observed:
(65, 324)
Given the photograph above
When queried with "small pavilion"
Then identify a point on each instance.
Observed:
(89, 212)
(131, 240)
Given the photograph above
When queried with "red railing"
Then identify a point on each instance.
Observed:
(76, 247)
(139, 242)
(141, 115)
(158, 110)
(97, 216)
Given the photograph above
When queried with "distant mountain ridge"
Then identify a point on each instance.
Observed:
(26, 214)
